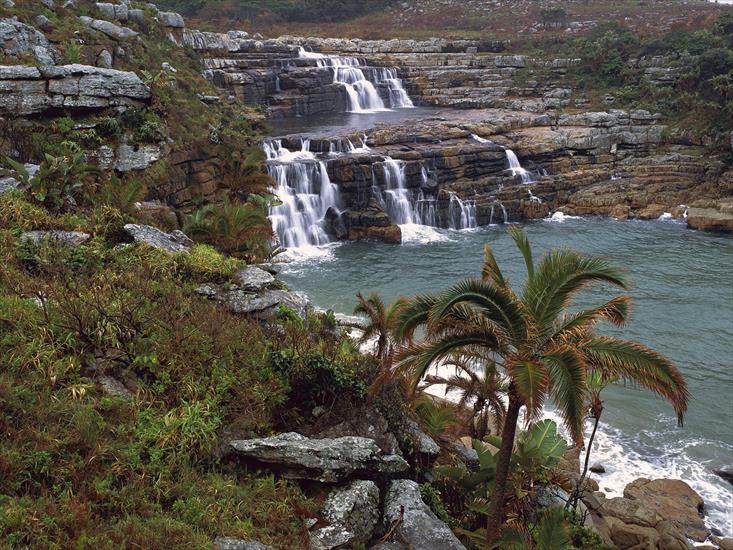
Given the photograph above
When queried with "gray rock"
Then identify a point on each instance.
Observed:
(71, 238)
(389, 546)
(18, 38)
(171, 19)
(8, 4)
(324, 460)
(48, 3)
(419, 528)
(352, 513)
(104, 59)
(468, 456)
(266, 304)
(364, 421)
(254, 279)
(106, 9)
(113, 31)
(167, 67)
(424, 444)
(136, 15)
(43, 23)
(69, 5)
(225, 543)
(130, 158)
(176, 241)
(209, 290)
(725, 473)
(113, 387)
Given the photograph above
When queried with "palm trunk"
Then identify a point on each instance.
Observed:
(573, 501)
(496, 503)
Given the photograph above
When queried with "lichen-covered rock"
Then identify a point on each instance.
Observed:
(116, 32)
(352, 513)
(70, 238)
(419, 527)
(18, 38)
(325, 460)
(131, 158)
(254, 279)
(176, 241)
(364, 421)
(226, 543)
(171, 19)
(422, 443)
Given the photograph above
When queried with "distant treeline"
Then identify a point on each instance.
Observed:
(286, 10)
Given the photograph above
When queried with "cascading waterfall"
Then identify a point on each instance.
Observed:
(397, 198)
(516, 168)
(305, 192)
(462, 214)
(361, 92)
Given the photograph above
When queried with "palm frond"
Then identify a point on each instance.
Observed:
(567, 387)
(490, 270)
(522, 242)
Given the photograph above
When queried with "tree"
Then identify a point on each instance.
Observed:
(480, 385)
(544, 351)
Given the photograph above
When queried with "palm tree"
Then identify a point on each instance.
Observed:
(480, 385)
(544, 351)
(379, 325)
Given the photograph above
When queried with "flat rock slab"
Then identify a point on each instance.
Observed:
(420, 527)
(176, 241)
(71, 238)
(324, 460)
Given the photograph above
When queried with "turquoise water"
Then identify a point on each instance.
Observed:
(683, 307)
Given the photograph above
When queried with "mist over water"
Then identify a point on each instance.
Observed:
(683, 307)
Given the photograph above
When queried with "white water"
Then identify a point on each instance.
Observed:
(305, 192)
(462, 214)
(361, 90)
(516, 168)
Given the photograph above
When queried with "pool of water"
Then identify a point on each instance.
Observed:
(683, 307)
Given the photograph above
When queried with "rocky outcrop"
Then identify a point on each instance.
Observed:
(352, 513)
(19, 39)
(367, 422)
(175, 242)
(69, 238)
(673, 500)
(254, 279)
(324, 460)
(266, 305)
(33, 90)
(712, 215)
(417, 525)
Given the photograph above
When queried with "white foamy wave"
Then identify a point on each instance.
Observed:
(413, 233)
(665, 216)
(560, 217)
(624, 460)
(308, 252)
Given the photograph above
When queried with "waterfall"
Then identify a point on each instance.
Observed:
(480, 139)
(461, 214)
(305, 192)
(533, 198)
(516, 168)
(361, 92)
(397, 199)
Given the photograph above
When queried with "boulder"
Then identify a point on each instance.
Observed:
(726, 473)
(267, 304)
(422, 443)
(324, 460)
(674, 500)
(171, 19)
(254, 279)
(115, 32)
(225, 543)
(467, 455)
(418, 526)
(18, 38)
(176, 241)
(104, 59)
(70, 238)
(625, 535)
(352, 513)
(43, 23)
(597, 468)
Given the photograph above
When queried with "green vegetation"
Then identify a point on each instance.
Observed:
(286, 10)
(545, 351)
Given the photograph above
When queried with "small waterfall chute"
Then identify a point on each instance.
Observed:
(516, 167)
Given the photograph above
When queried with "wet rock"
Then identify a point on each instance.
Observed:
(254, 279)
(226, 543)
(418, 527)
(70, 238)
(674, 500)
(352, 513)
(597, 468)
(176, 241)
(725, 473)
(325, 460)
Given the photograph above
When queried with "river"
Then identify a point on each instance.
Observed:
(683, 307)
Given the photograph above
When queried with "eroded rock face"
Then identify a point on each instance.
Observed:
(419, 527)
(711, 216)
(673, 500)
(176, 241)
(32, 90)
(325, 460)
(352, 513)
